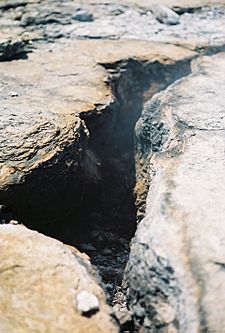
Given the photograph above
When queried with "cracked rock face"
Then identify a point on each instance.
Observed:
(75, 76)
(175, 274)
(44, 160)
(41, 279)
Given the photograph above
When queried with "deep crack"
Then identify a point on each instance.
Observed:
(113, 188)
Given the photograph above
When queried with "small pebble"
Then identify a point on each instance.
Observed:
(14, 94)
(165, 15)
(14, 222)
(87, 303)
(83, 16)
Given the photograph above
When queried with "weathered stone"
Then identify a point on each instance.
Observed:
(175, 275)
(41, 280)
(83, 16)
(44, 153)
(68, 112)
(165, 15)
(87, 303)
(200, 23)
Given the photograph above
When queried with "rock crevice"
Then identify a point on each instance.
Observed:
(181, 226)
(111, 117)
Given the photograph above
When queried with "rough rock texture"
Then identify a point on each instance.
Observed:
(175, 275)
(40, 22)
(44, 155)
(74, 77)
(165, 14)
(40, 281)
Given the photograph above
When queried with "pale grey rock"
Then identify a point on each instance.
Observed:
(14, 94)
(165, 15)
(83, 15)
(13, 222)
(86, 302)
(175, 275)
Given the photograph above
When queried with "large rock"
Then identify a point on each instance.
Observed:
(175, 275)
(43, 284)
(44, 161)
(68, 109)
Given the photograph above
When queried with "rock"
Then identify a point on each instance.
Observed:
(11, 49)
(43, 138)
(83, 15)
(54, 21)
(14, 94)
(165, 15)
(41, 280)
(70, 95)
(14, 222)
(9, 4)
(175, 275)
(87, 303)
(122, 315)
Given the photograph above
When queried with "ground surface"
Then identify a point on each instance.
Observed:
(76, 76)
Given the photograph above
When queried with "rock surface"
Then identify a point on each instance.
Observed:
(43, 139)
(40, 281)
(175, 274)
(34, 23)
(165, 14)
(74, 78)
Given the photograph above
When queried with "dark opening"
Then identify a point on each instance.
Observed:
(91, 203)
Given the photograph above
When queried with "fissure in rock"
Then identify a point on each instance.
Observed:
(96, 208)
(113, 199)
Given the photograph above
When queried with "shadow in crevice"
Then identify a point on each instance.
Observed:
(85, 195)
(109, 217)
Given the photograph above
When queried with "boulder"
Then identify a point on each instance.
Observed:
(175, 274)
(43, 284)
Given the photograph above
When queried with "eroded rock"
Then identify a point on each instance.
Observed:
(175, 275)
(83, 15)
(199, 23)
(165, 15)
(41, 279)
(68, 112)
(45, 159)
(87, 303)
